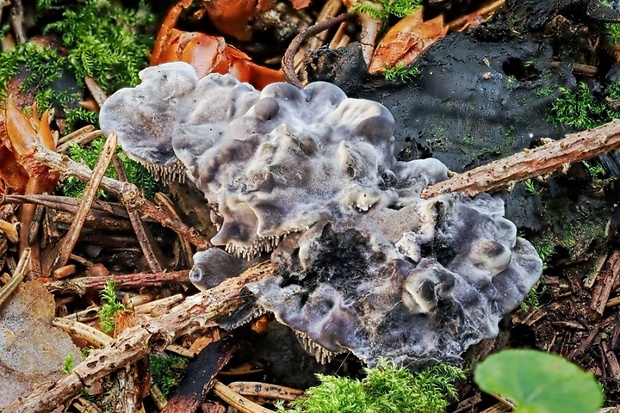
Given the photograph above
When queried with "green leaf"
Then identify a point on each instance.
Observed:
(539, 382)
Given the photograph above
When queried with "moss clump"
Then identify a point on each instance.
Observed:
(103, 41)
(386, 388)
(582, 110)
(136, 173)
(167, 371)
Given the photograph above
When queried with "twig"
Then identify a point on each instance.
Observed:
(126, 282)
(83, 331)
(82, 139)
(18, 276)
(17, 21)
(166, 204)
(605, 284)
(76, 134)
(128, 191)
(330, 9)
(63, 251)
(543, 160)
(236, 400)
(265, 390)
(135, 343)
(152, 253)
(95, 90)
(288, 60)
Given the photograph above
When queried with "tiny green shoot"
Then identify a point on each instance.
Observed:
(110, 306)
(400, 73)
(69, 363)
(530, 187)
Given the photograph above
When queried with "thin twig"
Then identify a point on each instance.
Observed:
(128, 191)
(543, 160)
(135, 343)
(18, 276)
(126, 282)
(151, 250)
(288, 60)
(17, 21)
(166, 204)
(236, 400)
(83, 331)
(95, 90)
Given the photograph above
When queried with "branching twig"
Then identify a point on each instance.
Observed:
(151, 250)
(129, 192)
(136, 342)
(543, 160)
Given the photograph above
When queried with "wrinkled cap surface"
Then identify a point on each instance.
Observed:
(309, 176)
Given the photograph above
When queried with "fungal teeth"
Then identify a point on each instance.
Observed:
(320, 353)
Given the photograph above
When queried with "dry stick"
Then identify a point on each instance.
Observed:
(95, 90)
(66, 204)
(605, 285)
(82, 139)
(288, 60)
(83, 331)
(166, 204)
(123, 190)
(18, 276)
(150, 249)
(76, 134)
(62, 252)
(17, 21)
(543, 160)
(236, 400)
(125, 282)
(135, 343)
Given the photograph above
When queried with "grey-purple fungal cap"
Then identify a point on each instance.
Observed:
(363, 263)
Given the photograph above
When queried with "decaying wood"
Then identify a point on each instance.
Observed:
(199, 376)
(136, 342)
(152, 253)
(543, 160)
(122, 281)
(123, 190)
(166, 204)
(62, 252)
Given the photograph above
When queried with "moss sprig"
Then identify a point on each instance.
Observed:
(382, 9)
(110, 306)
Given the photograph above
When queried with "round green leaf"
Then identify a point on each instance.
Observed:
(538, 382)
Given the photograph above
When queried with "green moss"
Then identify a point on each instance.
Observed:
(110, 306)
(69, 363)
(89, 154)
(167, 371)
(400, 73)
(386, 388)
(581, 110)
(382, 9)
(103, 41)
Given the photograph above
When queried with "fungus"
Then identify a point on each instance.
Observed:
(309, 176)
